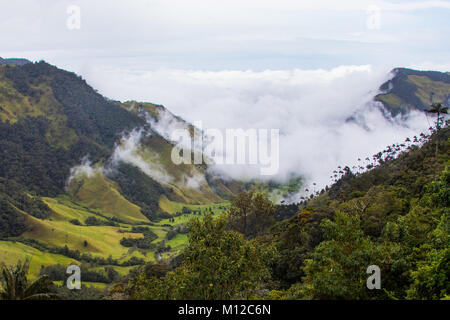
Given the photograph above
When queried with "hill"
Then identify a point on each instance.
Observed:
(89, 180)
(414, 90)
(73, 181)
(395, 215)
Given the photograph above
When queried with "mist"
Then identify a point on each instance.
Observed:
(311, 109)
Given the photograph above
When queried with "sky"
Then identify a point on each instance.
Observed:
(302, 67)
(228, 35)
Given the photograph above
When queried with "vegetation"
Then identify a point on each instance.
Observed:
(218, 264)
(15, 285)
(395, 216)
(414, 90)
(137, 237)
(250, 213)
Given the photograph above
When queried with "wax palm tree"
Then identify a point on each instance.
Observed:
(439, 110)
(14, 284)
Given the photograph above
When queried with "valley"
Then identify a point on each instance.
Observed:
(89, 181)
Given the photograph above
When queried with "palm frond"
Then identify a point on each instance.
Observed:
(38, 286)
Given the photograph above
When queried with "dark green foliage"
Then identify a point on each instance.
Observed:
(171, 234)
(141, 243)
(92, 221)
(89, 113)
(295, 240)
(218, 264)
(251, 213)
(58, 273)
(26, 157)
(85, 293)
(139, 229)
(186, 210)
(285, 211)
(12, 223)
(14, 284)
(75, 222)
(13, 197)
(395, 216)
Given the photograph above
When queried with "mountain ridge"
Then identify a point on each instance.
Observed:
(414, 90)
(14, 61)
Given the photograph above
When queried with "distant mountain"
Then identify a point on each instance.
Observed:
(414, 90)
(14, 61)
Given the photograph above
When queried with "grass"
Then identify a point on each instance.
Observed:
(66, 210)
(123, 271)
(101, 240)
(100, 193)
(390, 98)
(12, 252)
(178, 242)
(440, 90)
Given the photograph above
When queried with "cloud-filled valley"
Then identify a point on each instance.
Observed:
(310, 107)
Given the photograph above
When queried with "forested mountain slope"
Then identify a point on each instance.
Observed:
(78, 171)
(395, 215)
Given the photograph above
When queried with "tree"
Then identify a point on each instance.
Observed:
(431, 278)
(15, 285)
(218, 264)
(439, 110)
(250, 213)
(337, 269)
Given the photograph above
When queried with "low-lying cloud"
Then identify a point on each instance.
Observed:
(127, 151)
(310, 107)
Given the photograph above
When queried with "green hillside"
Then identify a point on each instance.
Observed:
(50, 120)
(88, 180)
(414, 90)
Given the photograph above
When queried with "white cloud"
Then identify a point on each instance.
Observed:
(415, 5)
(127, 151)
(310, 107)
(85, 169)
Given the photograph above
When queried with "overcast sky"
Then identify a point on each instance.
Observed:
(228, 35)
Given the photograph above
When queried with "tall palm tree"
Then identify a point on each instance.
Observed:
(14, 284)
(439, 110)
